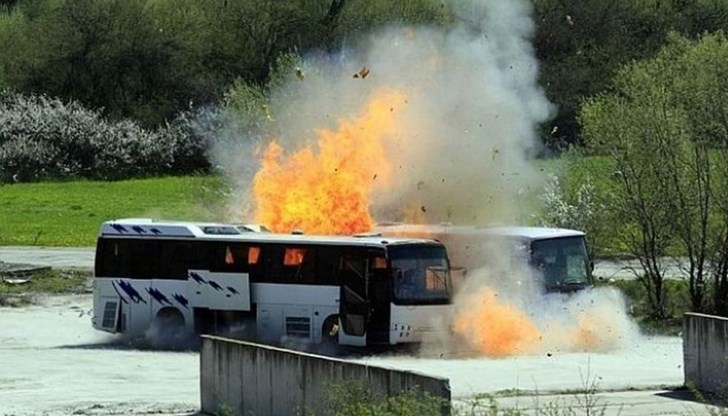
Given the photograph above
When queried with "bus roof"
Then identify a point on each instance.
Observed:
(150, 228)
(528, 233)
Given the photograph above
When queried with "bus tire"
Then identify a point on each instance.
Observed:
(330, 335)
(168, 330)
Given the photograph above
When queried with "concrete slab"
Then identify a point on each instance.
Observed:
(644, 363)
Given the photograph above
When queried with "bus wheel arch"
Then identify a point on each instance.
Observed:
(330, 330)
(170, 315)
(168, 328)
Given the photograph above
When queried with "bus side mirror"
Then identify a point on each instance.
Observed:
(591, 264)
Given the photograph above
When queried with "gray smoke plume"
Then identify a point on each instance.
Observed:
(472, 105)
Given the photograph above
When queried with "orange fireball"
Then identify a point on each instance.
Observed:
(327, 189)
(496, 328)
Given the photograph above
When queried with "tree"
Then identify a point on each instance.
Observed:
(582, 44)
(700, 86)
(613, 125)
(664, 125)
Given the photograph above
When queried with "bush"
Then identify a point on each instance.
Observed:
(353, 398)
(45, 138)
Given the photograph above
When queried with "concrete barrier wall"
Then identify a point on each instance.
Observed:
(705, 352)
(253, 379)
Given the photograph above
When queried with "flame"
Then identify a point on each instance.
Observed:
(496, 328)
(328, 190)
(491, 326)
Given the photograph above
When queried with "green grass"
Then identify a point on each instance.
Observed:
(51, 282)
(70, 213)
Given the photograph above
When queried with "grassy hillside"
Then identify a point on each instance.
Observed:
(69, 213)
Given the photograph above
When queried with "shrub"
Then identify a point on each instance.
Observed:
(45, 138)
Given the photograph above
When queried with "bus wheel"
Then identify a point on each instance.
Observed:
(330, 335)
(168, 330)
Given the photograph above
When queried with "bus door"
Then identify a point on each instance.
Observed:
(380, 299)
(353, 304)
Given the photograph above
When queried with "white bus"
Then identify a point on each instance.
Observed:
(209, 278)
(558, 256)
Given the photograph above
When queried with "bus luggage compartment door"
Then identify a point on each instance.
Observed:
(221, 291)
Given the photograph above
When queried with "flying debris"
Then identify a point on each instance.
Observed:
(363, 73)
(299, 74)
(265, 109)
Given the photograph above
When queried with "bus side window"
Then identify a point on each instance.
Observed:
(328, 265)
(109, 260)
(229, 258)
(273, 264)
(178, 257)
(300, 265)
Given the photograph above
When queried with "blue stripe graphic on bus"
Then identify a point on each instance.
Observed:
(155, 231)
(214, 285)
(138, 229)
(120, 228)
(181, 299)
(116, 289)
(158, 296)
(134, 296)
(197, 278)
(232, 290)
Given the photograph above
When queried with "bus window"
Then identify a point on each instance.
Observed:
(328, 265)
(420, 274)
(289, 264)
(435, 280)
(178, 257)
(379, 263)
(135, 259)
(108, 259)
(294, 256)
(253, 255)
(229, 258)
(562, 262)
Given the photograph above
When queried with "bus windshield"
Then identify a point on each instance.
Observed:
(563, 262)
(420, 275)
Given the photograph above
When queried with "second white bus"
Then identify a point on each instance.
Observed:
(558, 257)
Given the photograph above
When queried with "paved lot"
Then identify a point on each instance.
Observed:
(76, 370)
(76, 257)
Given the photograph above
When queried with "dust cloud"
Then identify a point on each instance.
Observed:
(502, 310)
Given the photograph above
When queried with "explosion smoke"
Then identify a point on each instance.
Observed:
(472, 107)
(454, 149)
